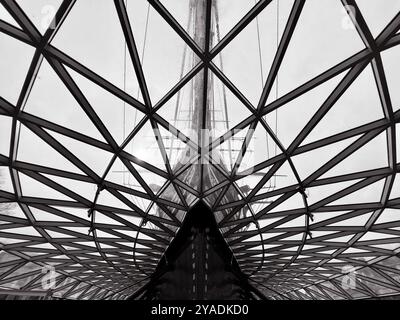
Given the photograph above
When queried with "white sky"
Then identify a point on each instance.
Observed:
(91, 34)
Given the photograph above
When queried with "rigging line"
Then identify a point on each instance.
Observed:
(178, 97)
(125, 65)
(143, 51)
(192, 90)
(215, 3)
(262, 81)
(210, 91)
(191, 64)
(191, 98)
(124, 115)
(259, 51)
(124, 84)
(276, 80)
(142, 61)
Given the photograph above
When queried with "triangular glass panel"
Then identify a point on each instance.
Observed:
(32, 148)
(293, 222)
(170, 194)
(144, 146)
(230, 196)
(105, 234)
(6, 17)
(368, 194)
(270, 235)
(78, 290)
(294, 115)
(180, 109)
(33, 188)
(323, 216)
(352, 250)
(296, 238)
(191, 176)
(5, 180)
(106, 198)
(79, 230)
(317, 193)
(395, 193)
(141, 202)
(119, 118)
(189, 197)
(107, 218)
(388, 215)
(23, 275)
(260, 147)
(359, 105)
(120, 175)
(41, 215)
(318, 234)
(153, 180)
(334, 294)
(105, 53)
(82, 188)
(393, 275)
(378, 288)
(294, 202)
(12, 209)
(248, 69)
(311, 51)
(26, 231)
(95, 158)
(308, 162)
(179, 214)
(182, 13)
(58, 105)
(372, 274)
(15, 59)
(360, 220)
(229, 150)
(226, 111)
(174, 148)
(158, 211)
(370, 156)
(248, 182)
(5, 133)
(261, 204)
(391, 244)
(390, 60)
(375, 236)
(378, 15)
(230, 12)
(80, 213)
(281, 178)
(163, 55)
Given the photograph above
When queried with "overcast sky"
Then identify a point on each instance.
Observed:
(91, 34)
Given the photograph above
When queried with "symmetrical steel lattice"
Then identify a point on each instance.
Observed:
(296, 253)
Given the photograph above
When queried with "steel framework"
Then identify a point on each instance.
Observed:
(283, 262)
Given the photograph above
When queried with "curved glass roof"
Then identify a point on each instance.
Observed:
(116, 117)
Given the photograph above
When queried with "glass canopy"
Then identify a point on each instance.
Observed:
(117, 117)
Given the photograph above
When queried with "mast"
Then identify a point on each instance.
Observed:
(200, 175)
(199, 9)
